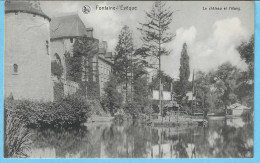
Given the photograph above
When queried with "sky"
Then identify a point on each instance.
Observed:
(211, 35)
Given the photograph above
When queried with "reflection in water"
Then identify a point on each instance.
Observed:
(222, 138)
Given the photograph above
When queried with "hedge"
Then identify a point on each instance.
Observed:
(68, 112)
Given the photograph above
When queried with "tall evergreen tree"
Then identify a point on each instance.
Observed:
(124, 50)
(184, 70)
(155, 31)
(155, 34)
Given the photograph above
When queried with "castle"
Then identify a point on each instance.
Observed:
(33, 41)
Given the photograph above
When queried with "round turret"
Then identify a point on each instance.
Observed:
(32, 7)
(27, 51)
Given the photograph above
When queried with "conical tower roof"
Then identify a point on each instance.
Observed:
(32, 7)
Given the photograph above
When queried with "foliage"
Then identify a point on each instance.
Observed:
(155, 31)
(225, 82)
(245, 88)
(85, 46)
(155, 34)
(73, 67)
(141, 88)
(247, 52)
(165, 79)
(65, 113)
(184, 71)
(112, 99)
(56, 69)
(204, 97)
(16, 136)
(80, 66)
(124, 50)
(218, 89)
(58, 89)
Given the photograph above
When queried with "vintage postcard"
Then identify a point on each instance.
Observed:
(129, 79)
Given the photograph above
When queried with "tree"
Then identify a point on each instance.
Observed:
(166, 81)
(247, 51)
(184, 71)
(124, 50)
(204, 96)
(245, 89)
(140, 88)
(84, 51)
(225, 82)
(155, 31)
(155, 34)
(112, 99)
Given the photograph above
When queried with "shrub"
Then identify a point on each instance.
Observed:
(68, 112)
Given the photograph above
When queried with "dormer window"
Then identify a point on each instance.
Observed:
(71, 40)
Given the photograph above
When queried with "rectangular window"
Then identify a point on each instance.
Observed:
(47, 46)
(15, 68)
(71, 40)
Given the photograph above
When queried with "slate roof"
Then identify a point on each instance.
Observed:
(106, 59)
(67, 26)
(25, 6)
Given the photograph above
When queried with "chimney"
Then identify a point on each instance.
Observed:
(89, 32)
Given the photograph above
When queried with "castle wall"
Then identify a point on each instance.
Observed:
(60, 47)
(104, 74)
(26, 44)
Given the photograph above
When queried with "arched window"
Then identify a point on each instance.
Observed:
(15, 68)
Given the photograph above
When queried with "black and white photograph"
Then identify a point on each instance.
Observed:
(129, 79)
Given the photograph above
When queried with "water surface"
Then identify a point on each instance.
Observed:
(222, 138)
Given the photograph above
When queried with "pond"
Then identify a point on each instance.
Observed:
(222, 138)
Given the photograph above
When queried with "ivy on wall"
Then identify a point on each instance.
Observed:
(80, 65)
(58, 90)
(56, 69)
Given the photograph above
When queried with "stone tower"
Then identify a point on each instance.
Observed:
(27, 65)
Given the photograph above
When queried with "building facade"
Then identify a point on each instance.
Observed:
(27, 66)
(34, 42)
(105, 67)
(63, 32)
